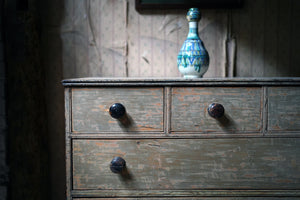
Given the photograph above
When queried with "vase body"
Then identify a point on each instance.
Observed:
(193, 58)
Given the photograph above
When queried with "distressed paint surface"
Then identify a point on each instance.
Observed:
(193, 198)
(284, 108)
(177, 194)
(185, 165)
(188, 164)
(242, 109)
(90, 108)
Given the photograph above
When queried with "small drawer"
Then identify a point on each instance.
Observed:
(284, 109)
(90, 109)
(183, 164)
(242, 109)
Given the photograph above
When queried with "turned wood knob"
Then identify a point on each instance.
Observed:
(117, 165)
(216, 110)
(117, 110)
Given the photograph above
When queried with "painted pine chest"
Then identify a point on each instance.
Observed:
(183, 139)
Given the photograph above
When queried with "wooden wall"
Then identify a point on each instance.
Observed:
(110, 38)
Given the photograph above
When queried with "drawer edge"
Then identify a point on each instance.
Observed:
(186, 193)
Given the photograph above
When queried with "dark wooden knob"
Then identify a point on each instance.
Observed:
(117, 165)
(216, 110)
(117, 110)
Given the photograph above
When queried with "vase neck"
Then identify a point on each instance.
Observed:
(193, 30)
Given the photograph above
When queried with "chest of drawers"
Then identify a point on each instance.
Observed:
(182, 139)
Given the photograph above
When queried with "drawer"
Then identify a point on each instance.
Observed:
(243, 109)
(284, 109)
(90, 109)
(195, 198)
(185, 164)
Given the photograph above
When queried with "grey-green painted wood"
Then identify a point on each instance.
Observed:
(170, 157)
(90, 108)
(253, 163)
(194, 198)
(242, 109)
(186, 194)
(284, 108)
(98, 81)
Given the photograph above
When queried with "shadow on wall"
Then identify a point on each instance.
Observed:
(35, 100)
(52, 13)
(267, 36)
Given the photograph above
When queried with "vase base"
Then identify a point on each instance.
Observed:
(191, 76)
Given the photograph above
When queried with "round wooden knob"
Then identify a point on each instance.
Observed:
(117, 165)
(216, 110)
(117, 110)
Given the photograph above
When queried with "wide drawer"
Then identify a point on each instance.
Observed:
(90, 109)
(159, 164)
(243, 109)
(195, 198)
(284, 109)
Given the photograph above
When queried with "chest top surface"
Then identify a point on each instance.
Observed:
(101, 81)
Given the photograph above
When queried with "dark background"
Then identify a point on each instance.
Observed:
(31, 152)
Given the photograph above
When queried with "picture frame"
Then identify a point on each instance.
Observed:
(141, 5)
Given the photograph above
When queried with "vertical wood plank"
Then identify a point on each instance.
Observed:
(106, 52)
(145, 44)
(243, 28)
(69, 178)
(294, 69)
(81, 37)
(68, 38)
(284, 21)
(171, 46)
(183, 31)
(94, 39)
(119, 37)
(270, 38)
(133, 40)
(212, 31)
(257, 37)
(159, 23)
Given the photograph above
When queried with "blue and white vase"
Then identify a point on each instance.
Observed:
(193, 59)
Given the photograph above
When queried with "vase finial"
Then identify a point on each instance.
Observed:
(193, 15)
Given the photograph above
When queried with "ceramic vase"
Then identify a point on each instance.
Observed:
(193, 59)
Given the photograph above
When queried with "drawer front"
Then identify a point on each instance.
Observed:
(90, 109)
(242, 109)
(160, 164)
(284, 108)
(195, 198)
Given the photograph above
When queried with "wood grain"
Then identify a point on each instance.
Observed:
(192, 198)
(242, 109)
(188, 164)
(284, 109)
(90, 107)
(169, 153)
